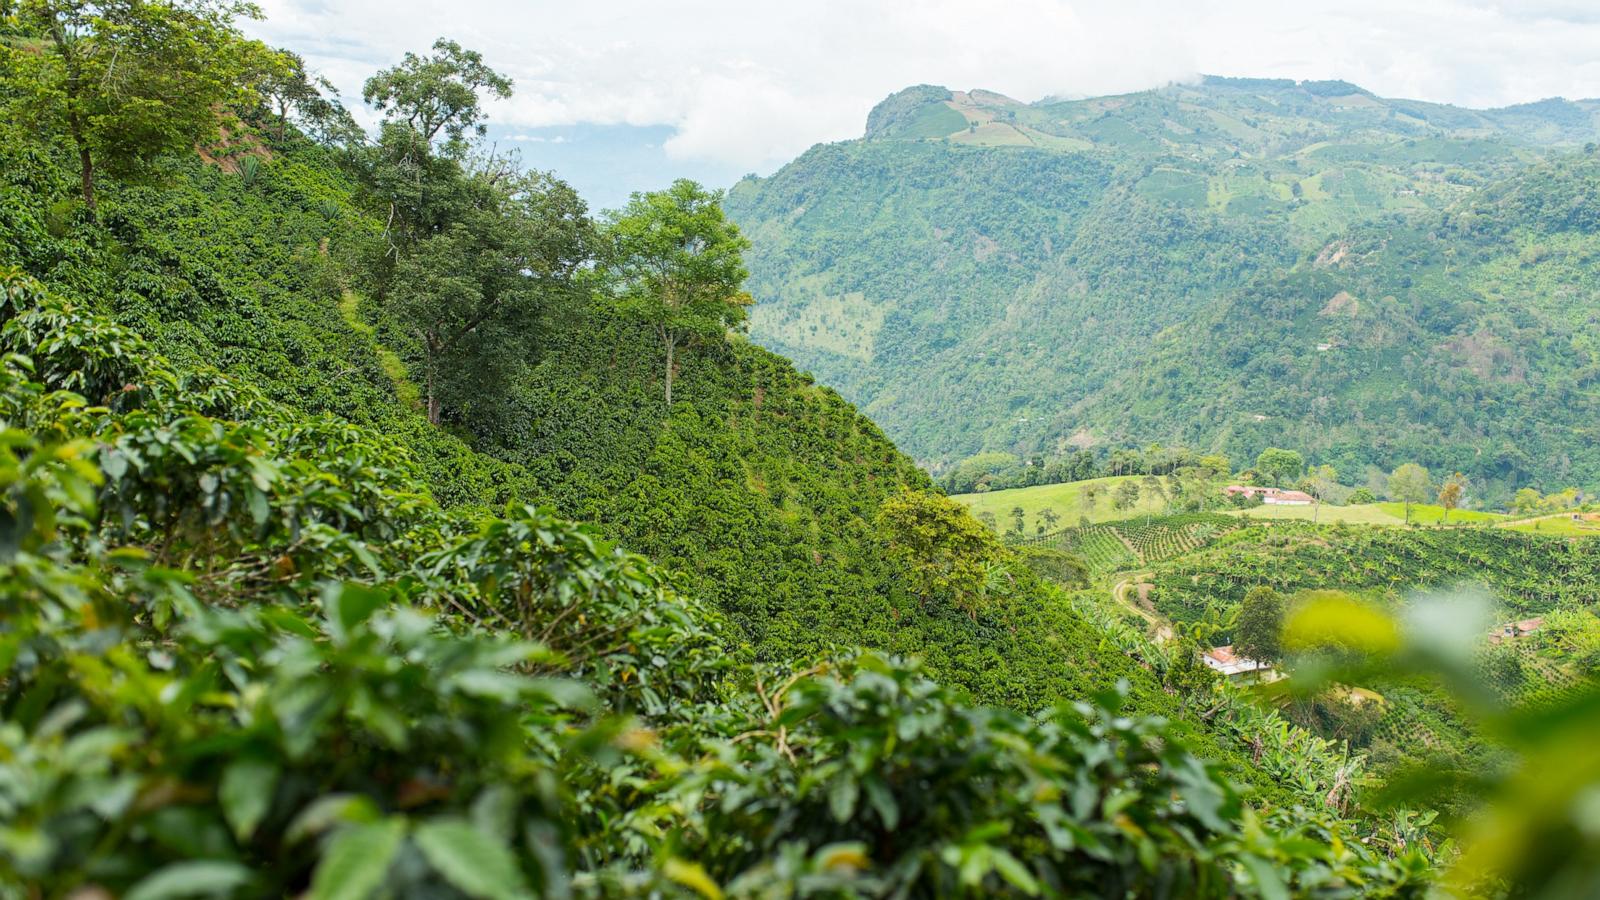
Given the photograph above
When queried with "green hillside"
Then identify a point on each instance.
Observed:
(1230, 265)
(376, 522)
(1478, 578)
(293, 601)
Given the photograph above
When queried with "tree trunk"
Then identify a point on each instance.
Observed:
(85, 161)
(671, 343)
(74, 120)
(86, 172)
(433, 348)
(433, 400)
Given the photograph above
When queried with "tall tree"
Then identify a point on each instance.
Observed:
(1410, 483)
(1451, 494)
(938, 549)
(130, 80)
(1048, 519)
(1527, 501)
(288, 92)
(432, 109)
(1323, 480)
(1151, 487)
(473, 248)
(470, 293)
(438, 96)
(675, 263)
(1126, 495)
(1258, 631)
(1282, 465)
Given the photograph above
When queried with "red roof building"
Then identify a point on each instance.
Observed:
(1225, 662)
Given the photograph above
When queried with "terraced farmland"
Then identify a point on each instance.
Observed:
(1113, 546)
(1527, 572)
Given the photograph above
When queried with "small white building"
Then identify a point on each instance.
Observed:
(1272, 495)
(1289, 498)
(1228, 664)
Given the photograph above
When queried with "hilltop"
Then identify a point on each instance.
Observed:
(1231, 264)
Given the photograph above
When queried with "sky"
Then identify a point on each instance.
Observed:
(625, 95)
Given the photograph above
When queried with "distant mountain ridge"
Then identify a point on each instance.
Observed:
(982, 274)
(914, 113)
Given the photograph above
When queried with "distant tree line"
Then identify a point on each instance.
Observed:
(998, 471)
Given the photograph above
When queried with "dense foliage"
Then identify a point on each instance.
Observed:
(292, 602)
(1232, 265)
(242, 657)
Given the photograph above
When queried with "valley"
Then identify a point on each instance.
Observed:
(1228, 265)
(1187, 586)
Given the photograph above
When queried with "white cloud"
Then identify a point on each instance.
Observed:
(754, 83)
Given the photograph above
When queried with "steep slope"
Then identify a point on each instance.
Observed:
(990, 283)
(245, 658)
(1463, 339)
(759, 488)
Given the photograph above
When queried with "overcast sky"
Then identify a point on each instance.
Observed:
(634, 90)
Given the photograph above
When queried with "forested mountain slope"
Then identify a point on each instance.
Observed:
(758, 487)
(983, 274)
(229, 406)
(1466, 338)
(279, 615)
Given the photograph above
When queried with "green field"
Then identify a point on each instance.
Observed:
(1371, 514)
(1364, 514)
(1429, 514)
(1558, 525)
(1066, 499)
(1068, 503)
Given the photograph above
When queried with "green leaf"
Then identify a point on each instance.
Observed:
(842, 794)
(259, 508)
(348, 605)
(246, 794)
(882, 801)
(286, 619)
(1013, 871)
(692, 876)
(326, 812)
(1268, 882)
(190, 879)
(357, 861)
(474, 862)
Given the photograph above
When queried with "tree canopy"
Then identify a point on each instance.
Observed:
(1281, 465)
(1256, 635)
(1410, 483)
(437, 95)
(129, 81)
(675, 263)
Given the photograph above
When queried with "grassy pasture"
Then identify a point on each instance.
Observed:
(1430, 514)
(1066, 499)
(1364, 514)
(1558, 525)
